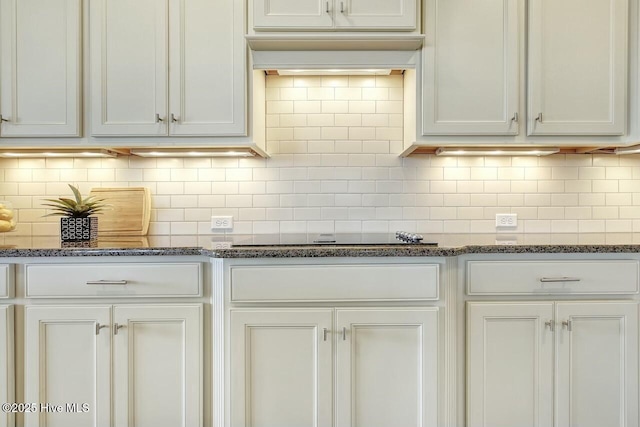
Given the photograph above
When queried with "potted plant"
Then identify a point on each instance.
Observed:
(77, 223)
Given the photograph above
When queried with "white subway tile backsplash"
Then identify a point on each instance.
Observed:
(334, 167)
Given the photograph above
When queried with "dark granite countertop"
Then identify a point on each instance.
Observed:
(210, 246)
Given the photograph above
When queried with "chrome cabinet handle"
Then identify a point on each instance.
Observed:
(515, 118)
(99, 326)
(344, 334)
(159, 119)
(539, 118)
(567, 324)
(325, 331)
(116, 327)
(327, 9)
(341, 7)
(173, 118)
(559, 279)
(549, 324)
(2, 119)
(106, 282)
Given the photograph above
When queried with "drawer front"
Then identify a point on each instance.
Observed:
(114, 280)
(286, 283)
(552, 277)
(6, 280)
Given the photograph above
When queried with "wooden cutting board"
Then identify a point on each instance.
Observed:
(129, 211)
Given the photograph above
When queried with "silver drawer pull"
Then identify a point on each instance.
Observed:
(325, 331)
(106, 282)
(99, 326)
(559, 279)
(116, 328)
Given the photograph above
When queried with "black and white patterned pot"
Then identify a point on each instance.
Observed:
(78, 229)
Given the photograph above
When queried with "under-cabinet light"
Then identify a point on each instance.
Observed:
(194, 152)
(58, 152)
(502, 151)
(634, 149)
(335, 72)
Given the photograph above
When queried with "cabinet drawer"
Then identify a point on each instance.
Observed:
(6, 280)
(334, 282)
(113, 280)
(552, 277)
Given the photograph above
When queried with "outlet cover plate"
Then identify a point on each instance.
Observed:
(506, 220)
(221, 222)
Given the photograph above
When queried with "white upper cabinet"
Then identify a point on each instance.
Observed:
(297, 14)
(335, 15)
(474, 55)
(472, 67)
(129, 73)
(40, 77)
(578, 67)
(167, 67)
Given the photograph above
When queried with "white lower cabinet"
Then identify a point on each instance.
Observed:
(530, 360)
(148, 357)
(378, 366)
(6, 363)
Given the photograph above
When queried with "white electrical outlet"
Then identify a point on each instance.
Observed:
(220, 245)
(221, 222)
(506, 220)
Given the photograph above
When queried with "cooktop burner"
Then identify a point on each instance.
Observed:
(337, 239)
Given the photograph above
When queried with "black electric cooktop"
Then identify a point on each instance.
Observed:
(337, 239)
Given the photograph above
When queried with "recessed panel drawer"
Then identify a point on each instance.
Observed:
(552, 277)
(6, 280)
(285, 283)
(113, 280)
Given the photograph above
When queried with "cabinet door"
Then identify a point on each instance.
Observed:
(158, 365)
(578, 67)
(67, 362)
(7, 378)
(509, 364)
(280, 368)
(473, 66)
(387, 367)
(40, 67)
(597, 376)
(128, 67)
(208, 69)
(376, 14)
(292, 14)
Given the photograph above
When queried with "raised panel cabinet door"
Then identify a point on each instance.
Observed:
(387, 367)
(597, 377)
(473, 65)
(128, 67)
(280, 368)
(510, 364)
(68, 363)
(158, 365)
(292, 14)
(7, 372)
(376, 14)
(40, 63)
(208, 68)
(578, 67)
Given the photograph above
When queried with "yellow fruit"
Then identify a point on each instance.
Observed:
(6, 225)
(6, 214)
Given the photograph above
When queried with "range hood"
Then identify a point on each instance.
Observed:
(331, 42)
